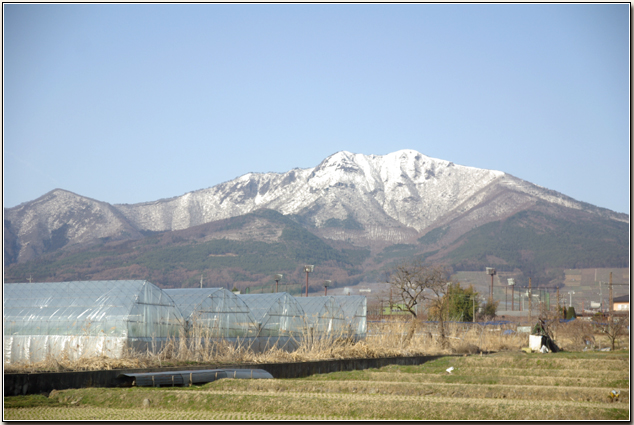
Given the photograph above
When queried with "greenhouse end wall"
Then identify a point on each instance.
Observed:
(324, 316)
(355, 309)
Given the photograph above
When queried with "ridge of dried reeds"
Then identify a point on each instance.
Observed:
(386, 339)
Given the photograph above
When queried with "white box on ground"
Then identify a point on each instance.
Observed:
(535, 342)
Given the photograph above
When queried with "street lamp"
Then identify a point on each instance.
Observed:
(308, 269)
(512, 285)
(277, 278)
(491, 271)
(326, 285)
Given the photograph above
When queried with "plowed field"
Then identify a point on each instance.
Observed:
(504, 386)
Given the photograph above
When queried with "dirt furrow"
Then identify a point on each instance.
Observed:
(460, 375)
(99, 413)
(436, 399)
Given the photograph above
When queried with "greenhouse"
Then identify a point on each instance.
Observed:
(213, 312)
(85, 318)
(323, 315)
(279, 317)
(355, 310)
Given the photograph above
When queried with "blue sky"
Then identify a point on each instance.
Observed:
(133, 103)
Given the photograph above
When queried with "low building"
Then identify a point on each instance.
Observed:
(621, 303)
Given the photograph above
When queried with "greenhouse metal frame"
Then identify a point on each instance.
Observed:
(324, 315)
(279, 317)
(213, 313)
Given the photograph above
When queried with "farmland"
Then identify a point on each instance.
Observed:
(500, 386)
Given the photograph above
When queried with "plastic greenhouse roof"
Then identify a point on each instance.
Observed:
(84, 306)
(323, 312)
(214, 310)
(352, 305)
(277, 314)
(355, 309)
(321, 306)
(190, 300)
(263, 305)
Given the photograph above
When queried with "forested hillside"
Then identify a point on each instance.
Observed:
(246, 251)
(178, 259)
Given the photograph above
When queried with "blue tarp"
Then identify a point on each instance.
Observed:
(493, 323)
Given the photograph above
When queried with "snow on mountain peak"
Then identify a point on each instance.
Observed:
(390, 197)
(402, 188)
(341, 160)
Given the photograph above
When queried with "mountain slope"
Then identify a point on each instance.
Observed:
(62, 219)
(240, 251)
(246, 251)
(370, 201)
(534, 240)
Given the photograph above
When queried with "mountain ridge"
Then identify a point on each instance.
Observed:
(383, 199)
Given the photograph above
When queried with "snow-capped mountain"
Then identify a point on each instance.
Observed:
(359, 198)
(404, 188)
(58, 219)
(391, 197)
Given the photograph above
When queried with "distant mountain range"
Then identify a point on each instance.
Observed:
(366, 210)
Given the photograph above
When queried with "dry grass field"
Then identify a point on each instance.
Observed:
(506, 384)
(385, 339)
(501, 386)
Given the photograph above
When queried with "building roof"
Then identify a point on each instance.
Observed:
(622, 299)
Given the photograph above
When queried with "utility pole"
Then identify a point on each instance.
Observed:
(570, 293)
(511, 283)
(326, 285)
(201, 281)
(308, 269)
(491, 271)
(611, 300)
(530, 299)
(558, 306)
(601, 294)
(278, 277)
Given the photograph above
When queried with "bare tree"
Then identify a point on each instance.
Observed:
(414, 283)
(614, 328)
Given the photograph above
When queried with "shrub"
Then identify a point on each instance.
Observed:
(570, 314)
